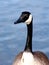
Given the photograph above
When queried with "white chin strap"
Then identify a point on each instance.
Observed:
(28, 21)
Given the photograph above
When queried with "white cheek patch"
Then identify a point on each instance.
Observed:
(28, 21)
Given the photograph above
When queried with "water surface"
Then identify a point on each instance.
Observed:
(13, 37)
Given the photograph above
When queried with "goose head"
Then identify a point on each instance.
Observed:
(25, 17)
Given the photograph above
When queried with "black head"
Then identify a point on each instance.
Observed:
(25, 17)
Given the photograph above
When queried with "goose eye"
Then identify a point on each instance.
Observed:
(24, 16)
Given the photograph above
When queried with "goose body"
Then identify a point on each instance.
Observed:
(27, 57)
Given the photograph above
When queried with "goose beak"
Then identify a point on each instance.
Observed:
(18, 21)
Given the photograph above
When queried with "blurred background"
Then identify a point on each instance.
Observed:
(13, 37)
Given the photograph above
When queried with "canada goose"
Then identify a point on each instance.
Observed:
(27, 57)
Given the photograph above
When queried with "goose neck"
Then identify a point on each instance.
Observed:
(28, 46)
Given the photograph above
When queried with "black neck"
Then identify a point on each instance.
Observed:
(28, 46)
